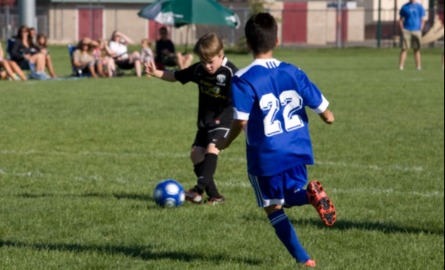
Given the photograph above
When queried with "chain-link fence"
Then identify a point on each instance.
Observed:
(321, 27)
(10, 22)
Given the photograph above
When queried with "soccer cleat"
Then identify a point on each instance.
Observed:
(310, 263)
(216, 200)
(318, 198)
(193, 196)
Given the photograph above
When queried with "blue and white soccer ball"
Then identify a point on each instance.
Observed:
(169, 194)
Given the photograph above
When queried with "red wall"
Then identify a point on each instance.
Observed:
(90, 23)
(7, 2)
(294, 23)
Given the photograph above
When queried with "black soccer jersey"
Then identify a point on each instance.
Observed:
(215, 100)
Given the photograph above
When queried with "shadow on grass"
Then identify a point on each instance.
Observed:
(385, 227)
(119, 196)
(345, 225)
(138, 252)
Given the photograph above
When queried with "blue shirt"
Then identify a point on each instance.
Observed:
(272, 96)
(412, 15)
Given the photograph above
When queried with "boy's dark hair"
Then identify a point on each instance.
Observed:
(261, 33)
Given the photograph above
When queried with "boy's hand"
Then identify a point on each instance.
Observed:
(152, 70)
(327, 116)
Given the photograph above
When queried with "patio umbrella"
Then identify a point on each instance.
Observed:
(184, 12)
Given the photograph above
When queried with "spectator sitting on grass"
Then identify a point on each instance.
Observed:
(27, 55)
(83, 58)
(9, 69)
(105, 65)
(123, 59)
(42, 41)
(166, 55)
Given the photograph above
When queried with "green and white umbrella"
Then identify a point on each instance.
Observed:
(183, 12)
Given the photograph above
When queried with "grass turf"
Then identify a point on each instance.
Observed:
(79, 160)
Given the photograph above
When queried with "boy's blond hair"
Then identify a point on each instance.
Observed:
(209, 46)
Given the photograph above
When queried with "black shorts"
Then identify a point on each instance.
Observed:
(204, 137)
(125, 64)
(169, 61)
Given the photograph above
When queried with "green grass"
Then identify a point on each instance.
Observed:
(79, 160)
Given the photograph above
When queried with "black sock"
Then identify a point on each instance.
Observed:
(205, 180)
(212, 190)
(198, 169)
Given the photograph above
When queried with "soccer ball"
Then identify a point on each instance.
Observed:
(169, 194)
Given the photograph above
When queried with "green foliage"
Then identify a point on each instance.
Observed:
(79, 160)
(256, 6)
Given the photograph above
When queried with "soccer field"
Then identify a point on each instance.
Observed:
(79, 160)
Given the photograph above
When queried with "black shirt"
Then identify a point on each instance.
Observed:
(215, 93)
(19, 50)
(161, 46)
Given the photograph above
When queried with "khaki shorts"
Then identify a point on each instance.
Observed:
(411, 39)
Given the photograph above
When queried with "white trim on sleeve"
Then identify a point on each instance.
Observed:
(322, 107)
(240, 115)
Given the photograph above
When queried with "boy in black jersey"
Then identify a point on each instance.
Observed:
(213, 75)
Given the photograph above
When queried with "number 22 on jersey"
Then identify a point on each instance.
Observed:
(287, 104)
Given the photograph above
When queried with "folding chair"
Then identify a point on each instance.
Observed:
(9, 47)
(77, 72)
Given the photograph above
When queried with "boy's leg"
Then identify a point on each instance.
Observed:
(205, 160)
(295, 181)
(211, 187)
(197, 155)
(211, 162)
(287, 234)
(270, 195)
(205, 180)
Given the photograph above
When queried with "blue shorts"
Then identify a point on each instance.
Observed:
(273, 190)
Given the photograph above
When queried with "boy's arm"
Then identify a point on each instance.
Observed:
(152, 70)
(235, 130)
(327, 116)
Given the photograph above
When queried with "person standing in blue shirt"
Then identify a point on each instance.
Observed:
(269, 98)
(412, 21)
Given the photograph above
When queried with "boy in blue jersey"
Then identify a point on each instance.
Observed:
(269, 99)
(412, 21)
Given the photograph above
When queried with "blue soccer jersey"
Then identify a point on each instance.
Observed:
(272, 96)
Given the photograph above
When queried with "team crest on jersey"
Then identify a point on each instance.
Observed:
(216, 90)
(221, 78)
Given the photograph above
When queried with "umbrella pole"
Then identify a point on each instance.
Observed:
(187, 38)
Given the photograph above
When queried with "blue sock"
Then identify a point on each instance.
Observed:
(286, 233)
(298, 198)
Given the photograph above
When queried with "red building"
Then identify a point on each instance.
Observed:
(7, 3)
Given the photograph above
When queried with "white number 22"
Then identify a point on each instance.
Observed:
(291, 102)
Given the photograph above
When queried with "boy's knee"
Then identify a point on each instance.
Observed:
(273, 209)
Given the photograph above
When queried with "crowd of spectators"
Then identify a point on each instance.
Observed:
(28, 56)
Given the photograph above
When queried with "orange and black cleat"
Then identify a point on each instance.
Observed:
(310, 263)
(320, 200)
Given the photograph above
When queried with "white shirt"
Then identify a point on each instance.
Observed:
(119, 49)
